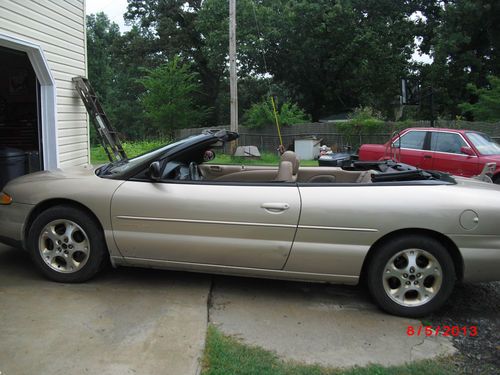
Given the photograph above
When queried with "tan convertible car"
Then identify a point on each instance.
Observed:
(410, 235)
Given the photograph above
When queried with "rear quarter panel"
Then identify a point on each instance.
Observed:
(339, 224)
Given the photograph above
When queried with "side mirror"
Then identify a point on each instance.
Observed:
(154, 170)
(396, 143)
(467, 151)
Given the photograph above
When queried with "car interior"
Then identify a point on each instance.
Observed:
(288, 170)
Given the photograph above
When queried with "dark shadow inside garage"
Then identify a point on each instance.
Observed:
(20, 135)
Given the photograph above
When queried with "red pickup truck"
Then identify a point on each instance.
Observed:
(459, 152)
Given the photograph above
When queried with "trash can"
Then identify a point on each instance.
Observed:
(33, 161)
(12, 164)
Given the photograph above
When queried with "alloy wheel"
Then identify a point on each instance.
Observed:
(412, 277)
(64, 246)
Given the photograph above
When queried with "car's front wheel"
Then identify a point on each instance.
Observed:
(67, 245)
(411, 276)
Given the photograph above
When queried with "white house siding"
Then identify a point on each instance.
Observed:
(58, 26)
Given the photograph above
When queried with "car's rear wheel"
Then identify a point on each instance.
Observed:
(411, 276)
(67, 245)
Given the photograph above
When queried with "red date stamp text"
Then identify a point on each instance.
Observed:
(453, 331)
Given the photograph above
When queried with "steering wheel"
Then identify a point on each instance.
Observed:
(194, 172)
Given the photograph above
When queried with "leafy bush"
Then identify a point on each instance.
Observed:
(365, 113)
(363, 120)
(262, 114)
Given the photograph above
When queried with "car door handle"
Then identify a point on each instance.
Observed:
(275, 206)
(427, 156)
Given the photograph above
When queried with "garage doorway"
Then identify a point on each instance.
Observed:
(20, 125)
(46, 111)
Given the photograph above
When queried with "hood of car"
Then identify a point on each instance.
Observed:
(55, 174)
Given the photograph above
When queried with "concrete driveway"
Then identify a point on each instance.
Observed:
(331, 325)
(136, 321)
(127, 321)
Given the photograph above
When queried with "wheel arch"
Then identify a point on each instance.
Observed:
(44, 205)
(496, 176)
(443, 239)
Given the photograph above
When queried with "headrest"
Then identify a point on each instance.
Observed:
(285, 172)
(292, 158)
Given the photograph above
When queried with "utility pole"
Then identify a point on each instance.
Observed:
(233, 79)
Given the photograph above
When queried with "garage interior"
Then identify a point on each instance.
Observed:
(20, 125)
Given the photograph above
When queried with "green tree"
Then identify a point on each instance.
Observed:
(114, 65)
(463, 37)
(487, 107)
(169, 97)
(330, 55)
(133, 55)
(102, 35)
(262, 114)
(171, 28)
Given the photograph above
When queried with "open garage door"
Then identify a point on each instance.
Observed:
(20, 125)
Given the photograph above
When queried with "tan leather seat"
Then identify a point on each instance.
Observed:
(322, 178)
(365, 177)
(249, 176)
(285, 172)
(291, 157)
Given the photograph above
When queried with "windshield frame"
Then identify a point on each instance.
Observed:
(124, 169)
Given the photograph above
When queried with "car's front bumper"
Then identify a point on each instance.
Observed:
(12, 220)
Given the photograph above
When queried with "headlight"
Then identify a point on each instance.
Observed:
(5, 199)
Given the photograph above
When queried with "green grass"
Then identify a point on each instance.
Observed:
(98, 156)
(225, 355)
(426, 323)
(266, 158)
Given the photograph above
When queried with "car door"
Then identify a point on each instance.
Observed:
(230, 224)
(412, 148)
(447, 157)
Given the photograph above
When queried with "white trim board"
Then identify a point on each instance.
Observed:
(48, 99)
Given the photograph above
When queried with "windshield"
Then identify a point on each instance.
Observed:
(123, 165)
(484, 144)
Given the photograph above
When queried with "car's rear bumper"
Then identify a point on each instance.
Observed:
(12, 220)
(481, 256)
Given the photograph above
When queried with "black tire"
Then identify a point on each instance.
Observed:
(386, 252)
(496, 179)
(97, 254)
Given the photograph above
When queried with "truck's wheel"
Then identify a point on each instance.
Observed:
(411, 276)
(67, 245)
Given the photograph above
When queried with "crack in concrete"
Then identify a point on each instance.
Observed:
(414, 346)
(199, 367)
